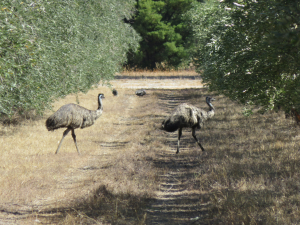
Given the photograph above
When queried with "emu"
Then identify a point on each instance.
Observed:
(73, 116)
(140, 92)
(115, 92)
(186, 115)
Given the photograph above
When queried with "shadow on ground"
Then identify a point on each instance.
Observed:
(176, 202)
(100, 207)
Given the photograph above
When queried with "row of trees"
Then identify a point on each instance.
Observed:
(49, 49)
(166, 33)
(247, 50)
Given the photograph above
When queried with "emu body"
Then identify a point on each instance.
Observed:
(115, 92)
(186, 115)
(140, 92)
(72, 116)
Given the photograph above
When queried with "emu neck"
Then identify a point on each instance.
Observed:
(100, 106)
(97, 113)
(211, 111)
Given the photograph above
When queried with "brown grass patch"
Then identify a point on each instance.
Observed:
(42, 186)
(157, 79)
(159, 73)
(128, 172)
(250, 171)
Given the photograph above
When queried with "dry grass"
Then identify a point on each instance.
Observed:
(250, 172)
(43, 186)
(159, 73)
(157, 79)
(248, 175)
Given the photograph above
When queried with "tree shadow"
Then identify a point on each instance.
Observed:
(101, 206)
(176, 201)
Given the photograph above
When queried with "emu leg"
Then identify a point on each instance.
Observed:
(74, 138)
(194, 135)
(179, 135)
(64, 134)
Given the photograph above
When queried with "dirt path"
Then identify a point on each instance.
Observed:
(129, 125)
(158, 83)
(128, 172)
(176, 202)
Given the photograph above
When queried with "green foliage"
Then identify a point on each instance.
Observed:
(164, 31)
(49, 49)
(249, 50)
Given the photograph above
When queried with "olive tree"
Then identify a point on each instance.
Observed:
(49, 49)
(249, 50)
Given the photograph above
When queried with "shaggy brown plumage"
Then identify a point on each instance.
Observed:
(72, 117)
(186, 115)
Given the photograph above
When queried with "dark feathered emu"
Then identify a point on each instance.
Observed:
(73, 116)
(115, 92)
(186, 115)
(140, 92)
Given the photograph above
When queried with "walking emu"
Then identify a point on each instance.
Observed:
(73, 116)
(186, 115)
(115, 92)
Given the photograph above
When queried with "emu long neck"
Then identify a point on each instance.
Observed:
(100, 106)
(97, 113)
(211, 111)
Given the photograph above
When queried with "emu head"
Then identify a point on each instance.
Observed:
(209, 99)
(101, 96)
(115, 92)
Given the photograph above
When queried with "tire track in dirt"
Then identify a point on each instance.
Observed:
(175, 202)
(118, 143)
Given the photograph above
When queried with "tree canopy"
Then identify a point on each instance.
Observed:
(49, 49)
(246, 50)
(164, 31)
(249, 50)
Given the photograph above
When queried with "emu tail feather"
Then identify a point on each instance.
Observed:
(169, 126)
(50, 124)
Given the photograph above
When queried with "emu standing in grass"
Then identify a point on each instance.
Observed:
(73, 116)
(186, 115)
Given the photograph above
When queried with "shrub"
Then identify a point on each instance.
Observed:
(49, 49)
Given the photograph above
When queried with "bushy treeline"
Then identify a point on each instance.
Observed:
(49, 49)
(247, 50)
(250, 50)
(166, 33)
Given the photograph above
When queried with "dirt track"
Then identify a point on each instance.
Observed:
(174, 202)
(158, 83)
